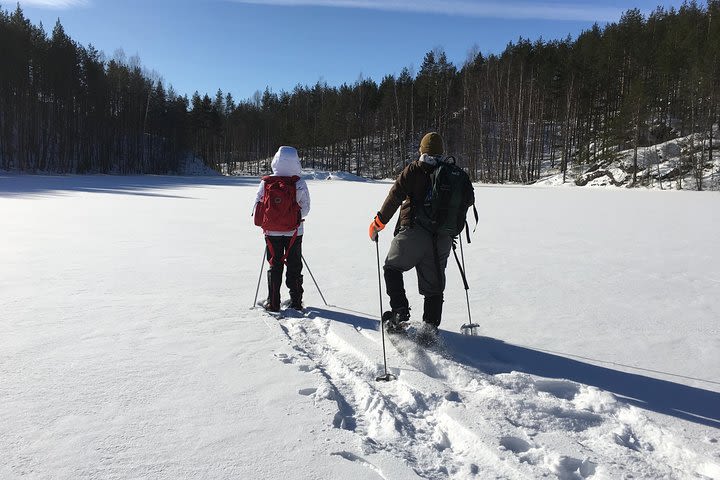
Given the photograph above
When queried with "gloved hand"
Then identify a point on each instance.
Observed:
(375, 227)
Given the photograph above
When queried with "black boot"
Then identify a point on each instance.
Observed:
(273, 301)
(427, 335)
(396, 320)
(296, 292)
(432, 310)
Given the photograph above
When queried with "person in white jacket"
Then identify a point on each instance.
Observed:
(285, 246)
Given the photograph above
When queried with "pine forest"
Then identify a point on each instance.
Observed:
(565, 104)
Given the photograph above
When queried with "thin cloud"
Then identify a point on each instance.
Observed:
(54, 4)
(510, 9)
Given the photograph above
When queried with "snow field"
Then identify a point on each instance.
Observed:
(128, 348)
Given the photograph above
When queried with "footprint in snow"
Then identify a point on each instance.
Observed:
(344, 421)
(558, 388)
(627, 438)
(514, 444)
(453, 396)
(285, 358)
(351, 457)
(568, 468)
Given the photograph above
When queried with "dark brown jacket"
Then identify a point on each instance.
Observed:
(409, 189)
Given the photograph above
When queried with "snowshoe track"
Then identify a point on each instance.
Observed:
(444, 417)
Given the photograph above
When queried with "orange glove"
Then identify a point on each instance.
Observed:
(375, 227)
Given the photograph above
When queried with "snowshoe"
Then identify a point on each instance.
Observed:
(270, 308)
(396, 321)
(427, 335)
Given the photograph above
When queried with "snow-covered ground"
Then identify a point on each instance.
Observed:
(670, 165)
(128, 348)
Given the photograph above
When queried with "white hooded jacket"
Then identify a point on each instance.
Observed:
(286, 163)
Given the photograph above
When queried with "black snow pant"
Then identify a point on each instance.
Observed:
(278, 248)
(415, 247)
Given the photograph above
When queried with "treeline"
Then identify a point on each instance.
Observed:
(539, 104)
(64, 108)
(507, 117)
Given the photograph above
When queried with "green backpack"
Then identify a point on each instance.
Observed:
(448, 199)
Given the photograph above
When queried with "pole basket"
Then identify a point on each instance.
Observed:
(388, 377)
(469, 329)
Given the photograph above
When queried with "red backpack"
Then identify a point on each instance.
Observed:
(278, 211)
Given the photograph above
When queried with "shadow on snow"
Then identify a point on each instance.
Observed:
(494, 356)
(144, 185)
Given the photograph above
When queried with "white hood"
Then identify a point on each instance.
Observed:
(286, 162)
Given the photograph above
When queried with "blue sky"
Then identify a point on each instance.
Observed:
(242, 46)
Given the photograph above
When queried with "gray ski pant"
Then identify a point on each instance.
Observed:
(413, 247)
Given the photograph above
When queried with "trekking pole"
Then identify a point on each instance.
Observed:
(467, 326)
(314, 281)
(388, 376)
(260, 277)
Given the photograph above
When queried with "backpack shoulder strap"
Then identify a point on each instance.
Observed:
(278, 178)
(477, 219)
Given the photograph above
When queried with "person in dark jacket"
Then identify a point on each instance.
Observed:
(413, 245)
